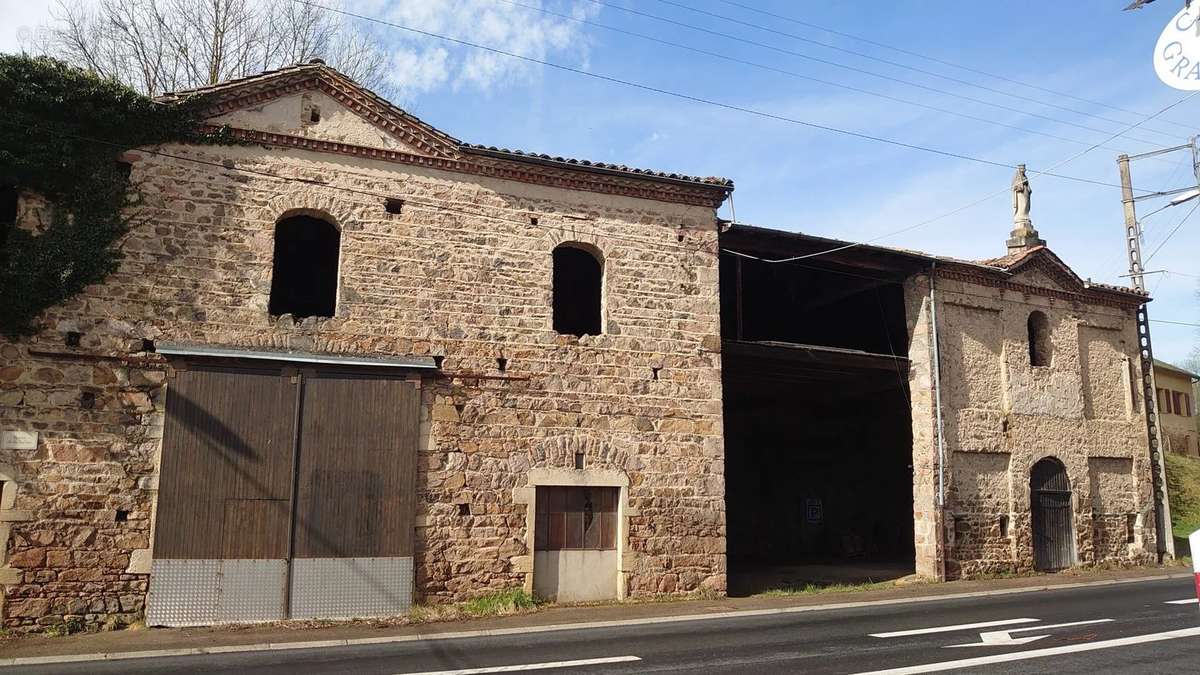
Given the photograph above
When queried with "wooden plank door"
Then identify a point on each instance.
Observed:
(356, 496)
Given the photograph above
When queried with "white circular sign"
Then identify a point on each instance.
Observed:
(1177, 55)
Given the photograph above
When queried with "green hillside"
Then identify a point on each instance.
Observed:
(1183, 487)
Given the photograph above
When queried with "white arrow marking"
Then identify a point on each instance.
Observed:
(1026, 654)
(1000, 638)
(947, 629)
(1189, 601)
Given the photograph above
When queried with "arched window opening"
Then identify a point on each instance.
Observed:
(578, 279)
(1039, 340)
(304, 277)
(8, 205)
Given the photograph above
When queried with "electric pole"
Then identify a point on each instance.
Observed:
(1165, 542)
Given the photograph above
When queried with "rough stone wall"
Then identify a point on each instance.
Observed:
(1002, 415)
(464, 272)
(927, 514)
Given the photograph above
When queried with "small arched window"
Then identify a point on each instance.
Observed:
(1040, 348)
(578, 280)
(305, 268)
(8, 205)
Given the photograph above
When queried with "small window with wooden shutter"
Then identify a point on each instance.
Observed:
(576, 518)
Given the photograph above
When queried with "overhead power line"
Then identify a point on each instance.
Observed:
(1176, 323)
(853, 69)
(1172, 233)
(934, 59)
(790, 73)
(710, 102)
(895, 64)
(960, 209)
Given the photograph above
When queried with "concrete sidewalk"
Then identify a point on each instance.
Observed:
(299, 635)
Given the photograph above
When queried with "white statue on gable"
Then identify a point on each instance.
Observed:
(1023, 236)
(1022, 193)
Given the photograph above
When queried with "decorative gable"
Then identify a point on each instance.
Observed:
(313, 107)
(1042, 269)
(315, 115)
(1033, 276)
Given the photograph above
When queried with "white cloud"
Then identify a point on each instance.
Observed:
(424, 63)
(414, 70)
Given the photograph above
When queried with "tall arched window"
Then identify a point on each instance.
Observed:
(8, 211)
(1040, 347)
(578, 280)
(8, 205)
(305, 273)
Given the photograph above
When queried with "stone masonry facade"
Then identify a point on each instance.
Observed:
(462, 273)
(459, 268)
(1001, 415)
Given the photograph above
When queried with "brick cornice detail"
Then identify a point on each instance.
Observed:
(1089, 296)
(490, 167)
(409, 130)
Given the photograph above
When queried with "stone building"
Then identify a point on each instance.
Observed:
(556, 321)
(840, 364)
(1177, 408)
(352, 363)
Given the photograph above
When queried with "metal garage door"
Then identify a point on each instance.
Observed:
(284, 492)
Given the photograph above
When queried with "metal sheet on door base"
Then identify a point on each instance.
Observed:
(183, 592)
(253, 591)
(342, 588)
(188, 592)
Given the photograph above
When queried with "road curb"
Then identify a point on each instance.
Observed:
(549, 628)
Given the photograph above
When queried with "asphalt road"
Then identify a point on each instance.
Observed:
(1121, 628)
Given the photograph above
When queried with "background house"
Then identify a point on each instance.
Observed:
(1177, 408)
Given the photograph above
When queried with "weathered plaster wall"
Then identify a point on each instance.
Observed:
(463, 273)
(312, 114)
(1002, 415)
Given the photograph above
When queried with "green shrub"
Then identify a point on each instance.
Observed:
(62, 134)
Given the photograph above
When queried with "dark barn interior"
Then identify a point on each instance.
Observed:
(818, 431)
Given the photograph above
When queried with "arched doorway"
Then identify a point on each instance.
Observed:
(1050, 507)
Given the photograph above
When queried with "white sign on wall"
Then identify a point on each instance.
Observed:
(18, 440)
(1177, 55)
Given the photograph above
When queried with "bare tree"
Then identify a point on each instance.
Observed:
(158, 46)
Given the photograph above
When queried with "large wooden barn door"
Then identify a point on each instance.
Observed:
(356, 497)
(1050, 508)
(284, 493)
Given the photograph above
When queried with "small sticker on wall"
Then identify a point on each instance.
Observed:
(18, 440)
(814, 510)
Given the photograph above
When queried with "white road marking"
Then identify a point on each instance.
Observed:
(1003, 637)
(533, 666)
(1189, 601)
(1037, 653)
(947, 629)
(560, 627)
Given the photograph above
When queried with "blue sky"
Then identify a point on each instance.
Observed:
(797, 178)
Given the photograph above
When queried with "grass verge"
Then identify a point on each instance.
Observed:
(1183, 491)
(819, 588)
